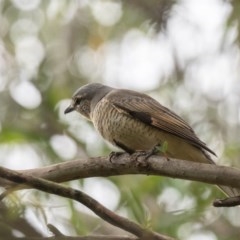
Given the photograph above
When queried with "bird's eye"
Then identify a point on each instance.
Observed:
(78, 101)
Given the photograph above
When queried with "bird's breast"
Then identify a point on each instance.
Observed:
(116, 126)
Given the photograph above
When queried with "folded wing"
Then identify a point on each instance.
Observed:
(151, 112)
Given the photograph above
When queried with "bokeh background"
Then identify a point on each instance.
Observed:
(184, 53)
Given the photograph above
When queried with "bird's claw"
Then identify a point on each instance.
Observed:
(147, 154)
(114, 155)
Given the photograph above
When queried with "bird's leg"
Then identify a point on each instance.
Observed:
(114, 155)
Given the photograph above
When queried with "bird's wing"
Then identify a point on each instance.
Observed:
(149, 111)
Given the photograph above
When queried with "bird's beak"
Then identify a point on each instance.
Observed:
(69, 109)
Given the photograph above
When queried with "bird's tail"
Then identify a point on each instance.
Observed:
(229, 191)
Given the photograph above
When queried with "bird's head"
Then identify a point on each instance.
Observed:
(86, 98)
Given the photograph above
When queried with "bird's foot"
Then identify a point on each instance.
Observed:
(114, 155)
(142, 156)
(146, 154)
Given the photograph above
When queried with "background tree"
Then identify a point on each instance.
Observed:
(183, 53)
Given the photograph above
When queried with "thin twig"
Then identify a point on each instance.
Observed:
(227, 202)
(77, 238)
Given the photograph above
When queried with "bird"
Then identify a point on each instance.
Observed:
(134, 121)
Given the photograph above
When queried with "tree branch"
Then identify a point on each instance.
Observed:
(125, 164)
(59, 236)
(137, 164)
(96, 207)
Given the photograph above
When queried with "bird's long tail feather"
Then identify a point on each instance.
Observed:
(229, 191)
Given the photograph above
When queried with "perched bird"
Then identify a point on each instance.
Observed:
(134, 121)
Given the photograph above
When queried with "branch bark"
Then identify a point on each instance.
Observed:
(126, 164)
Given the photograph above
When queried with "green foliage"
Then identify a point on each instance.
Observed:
(163, 148)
